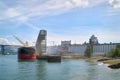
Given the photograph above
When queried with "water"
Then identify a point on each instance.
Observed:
(12, 69)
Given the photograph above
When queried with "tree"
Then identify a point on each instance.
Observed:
(115, 52)
(88, 51)
(118, 46)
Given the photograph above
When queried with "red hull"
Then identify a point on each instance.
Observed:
(27, 56)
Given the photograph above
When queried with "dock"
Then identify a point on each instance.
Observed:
(50, 58)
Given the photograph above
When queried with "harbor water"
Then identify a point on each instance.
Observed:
(12, 69)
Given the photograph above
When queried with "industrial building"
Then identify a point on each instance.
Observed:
(67, 47)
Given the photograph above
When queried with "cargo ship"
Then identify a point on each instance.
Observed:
(26, 53)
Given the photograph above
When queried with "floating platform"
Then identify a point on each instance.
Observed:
(50, 58)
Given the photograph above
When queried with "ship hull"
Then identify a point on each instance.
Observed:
(26, 53)
(27, 56)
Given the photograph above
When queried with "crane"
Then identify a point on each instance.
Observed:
(26, 44)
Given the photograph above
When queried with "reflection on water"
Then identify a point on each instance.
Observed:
(12, 69)
(41, 70)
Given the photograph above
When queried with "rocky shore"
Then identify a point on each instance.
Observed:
(112, 62)
(115, 66)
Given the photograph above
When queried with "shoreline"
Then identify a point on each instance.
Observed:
(113, 63)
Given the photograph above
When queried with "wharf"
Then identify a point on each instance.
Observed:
(50, 58)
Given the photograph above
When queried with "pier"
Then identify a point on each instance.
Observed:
(41, 48)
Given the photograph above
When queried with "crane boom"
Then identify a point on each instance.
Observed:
(19, 40)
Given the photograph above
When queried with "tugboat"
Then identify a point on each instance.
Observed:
(26, 53)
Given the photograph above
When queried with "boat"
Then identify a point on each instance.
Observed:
(26, 53)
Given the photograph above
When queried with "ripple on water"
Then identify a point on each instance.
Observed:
(12, 69)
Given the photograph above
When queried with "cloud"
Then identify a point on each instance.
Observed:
(94, 3)
(11, 12)
(4, 41)
(22, 12)
(28, 9)
(114, 7)
(53, 7)
(25, 10)
(40, 9)
(115, 3)
(32, 26)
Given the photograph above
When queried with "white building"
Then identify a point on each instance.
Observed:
(53, 50)
(77, 49)
(65, 46)
(98, 49)
(101, 49)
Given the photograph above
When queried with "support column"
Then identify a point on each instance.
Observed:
(3, 49)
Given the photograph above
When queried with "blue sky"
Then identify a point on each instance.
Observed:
(74, 20)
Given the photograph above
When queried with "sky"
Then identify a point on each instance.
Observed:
(74, 20)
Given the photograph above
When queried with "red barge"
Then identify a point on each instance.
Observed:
(26, 53)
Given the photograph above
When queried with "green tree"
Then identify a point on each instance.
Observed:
(118, 46)
(88, 51)
(115, 52)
